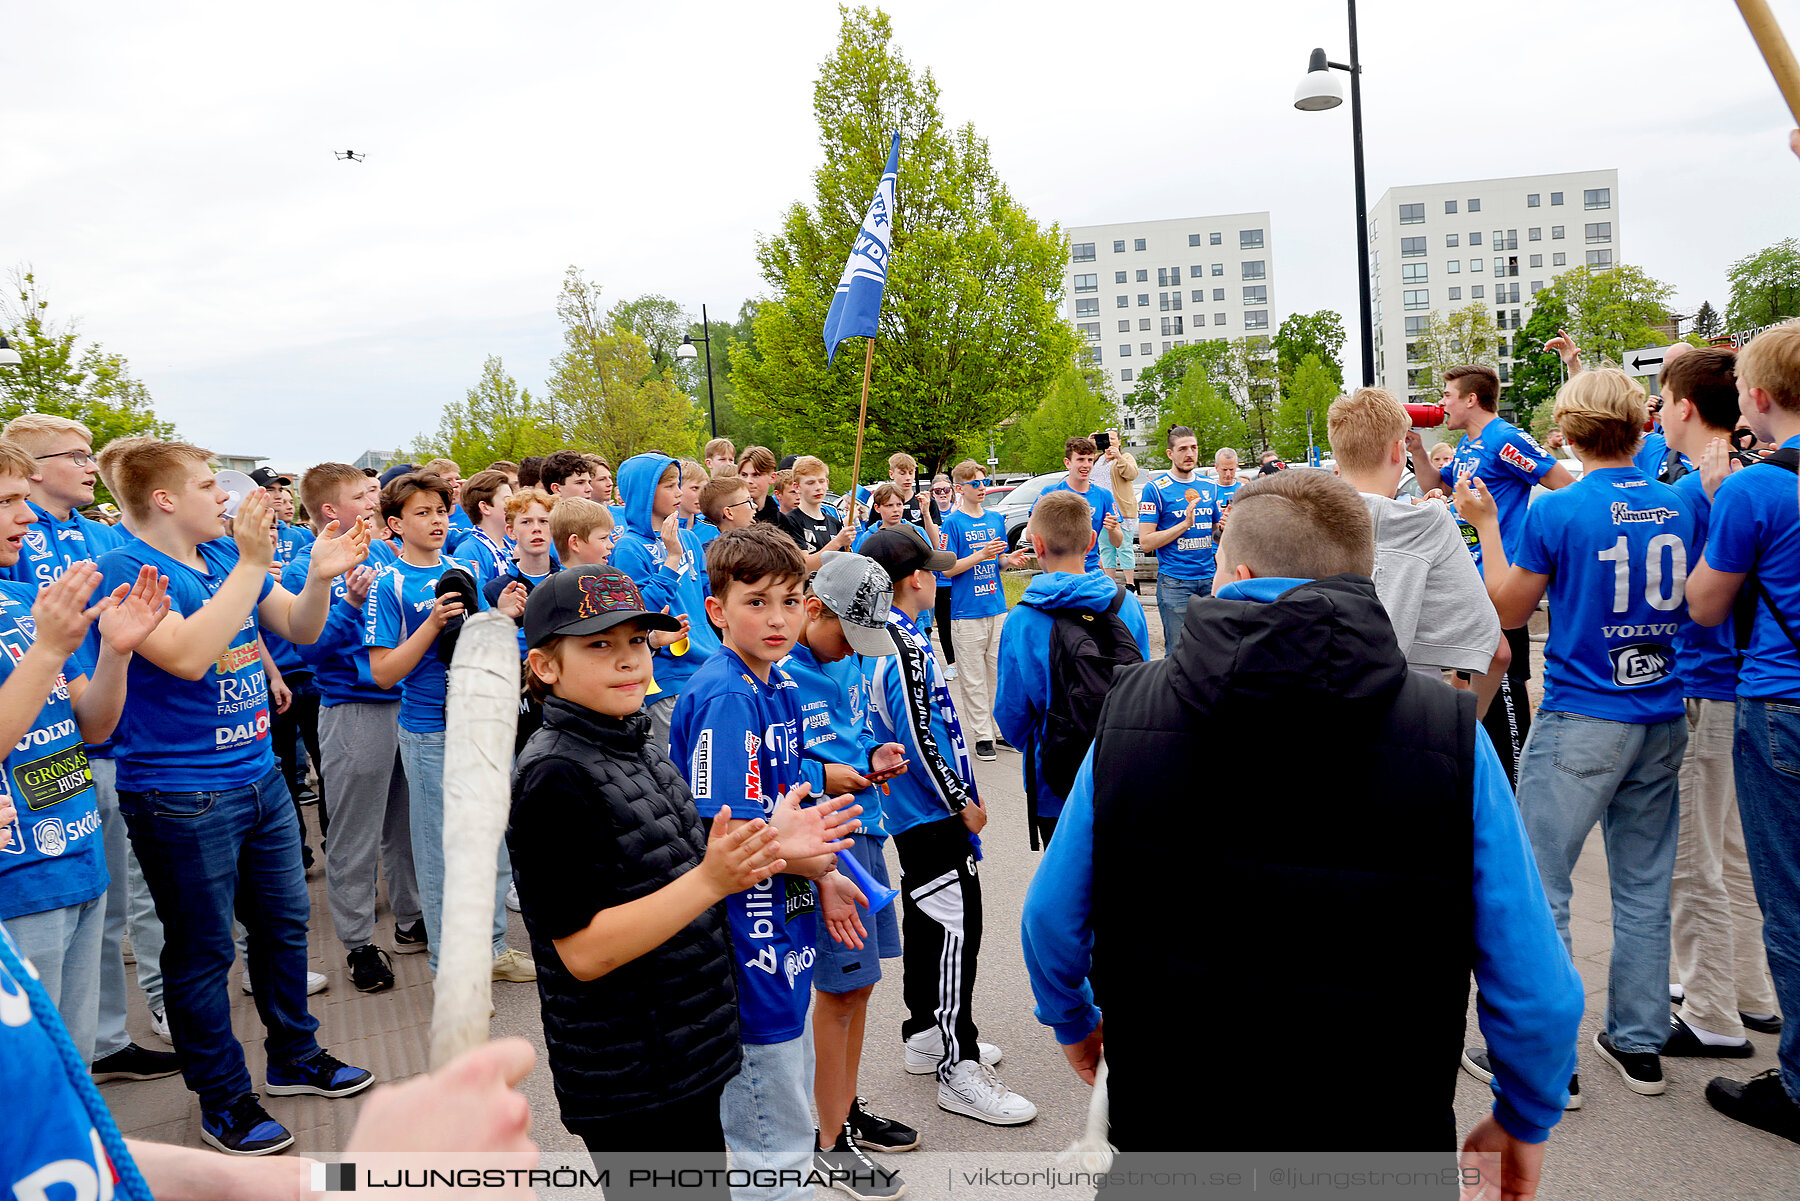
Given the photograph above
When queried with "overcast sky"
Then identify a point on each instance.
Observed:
(168, 168)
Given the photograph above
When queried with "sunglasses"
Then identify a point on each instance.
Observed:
(942, 490)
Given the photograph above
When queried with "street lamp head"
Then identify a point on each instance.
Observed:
(1318, 89)
(8, 356)
(686, 349)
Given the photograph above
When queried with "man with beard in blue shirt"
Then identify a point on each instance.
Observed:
(1510, 462)
(1184, 507)
(1613, 554)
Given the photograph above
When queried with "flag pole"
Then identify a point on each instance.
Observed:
(1775, 50)
(862, 416)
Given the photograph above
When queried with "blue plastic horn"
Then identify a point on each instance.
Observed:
(880, 895)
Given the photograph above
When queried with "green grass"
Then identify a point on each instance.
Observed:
(1014, 582)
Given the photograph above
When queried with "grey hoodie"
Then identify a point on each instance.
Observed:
(1430, 587)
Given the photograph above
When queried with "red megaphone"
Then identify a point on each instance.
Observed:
(1425, 416)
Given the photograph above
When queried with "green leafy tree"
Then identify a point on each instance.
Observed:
(1247, 374)
(1215, 420)
(1461, 336)
(660, 322)
(1537, 373)
(1765, 287)
(605, 391)
(970, 332)
(1157, 384)
(1313, 387)
(1320, 334)
(1706, 321)
(731, 339)
(495, 420)
(1034, 441)
(1611, 311)
(61, 374)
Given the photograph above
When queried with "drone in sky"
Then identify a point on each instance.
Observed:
(350, 155)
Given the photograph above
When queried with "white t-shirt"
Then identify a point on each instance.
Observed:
(1430, 586)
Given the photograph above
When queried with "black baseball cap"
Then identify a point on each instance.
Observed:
(268, 477)
(903, 550)
(587, 600)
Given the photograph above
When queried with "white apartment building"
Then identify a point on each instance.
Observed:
(1137, 289)
(1499, 241)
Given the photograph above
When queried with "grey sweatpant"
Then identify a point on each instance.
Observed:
(127, 903)
(365, 793)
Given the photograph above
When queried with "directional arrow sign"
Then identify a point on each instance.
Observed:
(1644, 362)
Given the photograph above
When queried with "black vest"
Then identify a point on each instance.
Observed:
(664, 1026)
(1283, 849)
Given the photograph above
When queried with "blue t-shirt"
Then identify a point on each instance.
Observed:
(200, 735)
(489, 558)
(1755, 528)
(1706, 657)
(290, 540)
(1226, 493)
(1651, 455)
(459, 518)
(399, 602)
(738, 740)
(1616, 546)
(976, 592)
(55, 857)
(1164, 504)
(339, 659)
(1100, 501)
(1510, 462)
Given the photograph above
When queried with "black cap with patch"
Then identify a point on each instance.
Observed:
(587, 600)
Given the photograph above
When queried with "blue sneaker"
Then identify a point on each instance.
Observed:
(318, 1075)
(245, 1128)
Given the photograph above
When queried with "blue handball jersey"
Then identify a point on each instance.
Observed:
(738, 740)
(1164, 504)
(1617, 546)
(1753, 529)
(1510, 462)
(976, 592)
(399, 602)
(1100, 503)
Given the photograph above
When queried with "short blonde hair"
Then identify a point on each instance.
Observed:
(596, 462)
(320, 486)
(1602, 412)
(690, 469)
(884, 493)
(1362, 428)
(720, 446)
(1065, 523)
(806, 467)
(903, 462)
(524, 498)
(16, 460)
(572, 515)
(1771, 362)
(718, 492)
(441, 467)
(138, 471)
(35, 431)
(781, 479)
(1304, 524)
(968, 470)
(108, 456)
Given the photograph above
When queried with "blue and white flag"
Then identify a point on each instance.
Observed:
(856, 307)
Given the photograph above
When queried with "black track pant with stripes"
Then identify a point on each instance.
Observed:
(940, 935)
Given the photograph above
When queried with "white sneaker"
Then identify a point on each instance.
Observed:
(315, 983)
(925, 1050)
(512, 898)
(950, 673)
(159, 1025)
(515, 966)
(975, 1092)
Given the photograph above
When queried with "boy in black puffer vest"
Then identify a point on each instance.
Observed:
(620, 885)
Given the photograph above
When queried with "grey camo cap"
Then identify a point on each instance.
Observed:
(860, 593)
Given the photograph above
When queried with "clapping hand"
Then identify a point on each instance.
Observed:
(61, 613)
(253, 529)
(337, 550)
(133, 611)
(512, 600)
(1715, 464)
(1475, 503)
(741, 858)
(815, 830)
(659, 638)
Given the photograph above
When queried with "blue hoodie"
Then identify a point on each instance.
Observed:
(640, 554)
(1022, 688)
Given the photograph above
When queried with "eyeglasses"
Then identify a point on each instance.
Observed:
(80, 458)
(734, 504)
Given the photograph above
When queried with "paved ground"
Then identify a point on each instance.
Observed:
(1619, 1145)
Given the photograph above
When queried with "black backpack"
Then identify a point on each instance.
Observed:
(1084, 649)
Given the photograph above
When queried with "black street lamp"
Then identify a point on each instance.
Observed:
(1318, 90)
(686, 351)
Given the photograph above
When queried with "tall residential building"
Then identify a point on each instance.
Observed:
(1137, 289)
(1438, 247)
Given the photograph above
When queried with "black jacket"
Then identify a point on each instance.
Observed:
(664, 1026)
(1319, 926)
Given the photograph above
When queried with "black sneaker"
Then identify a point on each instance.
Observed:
(1640, 1070)
(306, 857)
(1770, 1024)
(1684, 1043)
(848, 1170)
(1476, 1063)
(1005, 745)
(984, 751)
(1761, 1102)
(879, 1134)
(410, 940)
(132, 1062)
(370, 968)
(318, 1075)
(245, 1128)
(1574, 1101)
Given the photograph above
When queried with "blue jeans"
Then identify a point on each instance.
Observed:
(1766, 756)
(1172, 596)
(1576, 771)
(204, 853)
(767, 1114)
(64, 946)
(423, 757)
